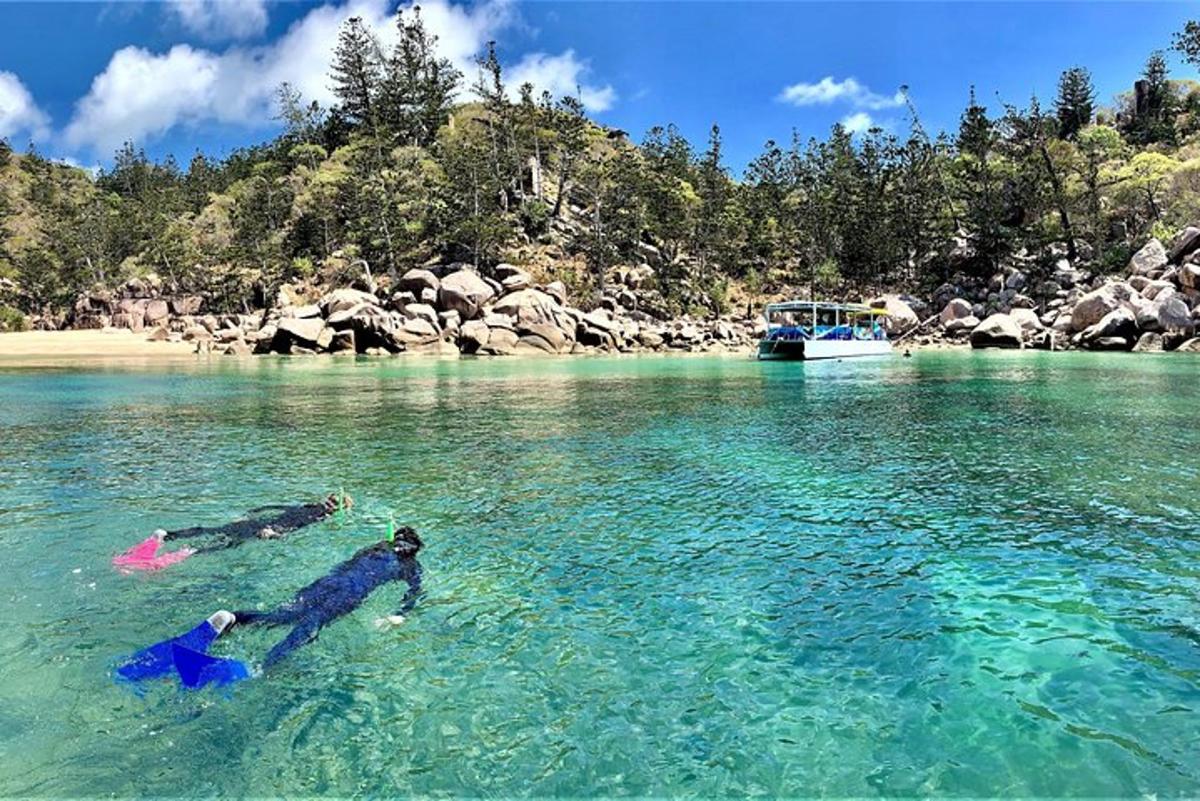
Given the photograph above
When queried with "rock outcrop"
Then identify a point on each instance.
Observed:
(997, 331)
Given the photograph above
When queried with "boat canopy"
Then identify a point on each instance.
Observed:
(857, 309)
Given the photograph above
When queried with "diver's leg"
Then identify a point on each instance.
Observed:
(274, 617)
(303, 634)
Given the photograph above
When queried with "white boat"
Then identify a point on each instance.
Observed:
(808, 329)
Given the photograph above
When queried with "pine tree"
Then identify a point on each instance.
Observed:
(570, 125)
(418, 89)
(1154, 106)
(1075, 103)
(985, 212)
(1187, 42)
(357, 71)
(713, 188)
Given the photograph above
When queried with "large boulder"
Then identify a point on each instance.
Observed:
(517, 281)
(1172, 314)
(1184, 244)
(549, 338)
(186, 304)
(501, 342)
(1092, 307)
(1119, 323)
(900, 316)
(465, 292)
(558, 291)
(962, 325)
(297, 331)
(956, 309)
(340, 300)
(1028, 320)
(1153, 289)
(997, 331)
(528, 306)
(156, 311)
(1189, 276)
(473, 336)
(1152, 257)
(416, 280)
(422, 311)
(132, 320)
(1149, 342)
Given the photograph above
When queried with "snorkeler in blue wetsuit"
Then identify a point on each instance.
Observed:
(342, 591)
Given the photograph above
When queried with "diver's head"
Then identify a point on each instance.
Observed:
(338, 500)
(405, 543)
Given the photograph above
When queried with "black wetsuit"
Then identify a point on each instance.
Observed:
(284, 520)
(332, 596)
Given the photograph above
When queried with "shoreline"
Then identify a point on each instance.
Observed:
(121, 346)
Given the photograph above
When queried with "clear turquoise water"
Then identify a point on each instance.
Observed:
(955, 574)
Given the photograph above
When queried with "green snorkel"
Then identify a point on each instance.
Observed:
(391, 528)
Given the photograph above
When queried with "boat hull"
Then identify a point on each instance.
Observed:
(809, 349)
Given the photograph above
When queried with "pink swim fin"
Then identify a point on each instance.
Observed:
(145, 556)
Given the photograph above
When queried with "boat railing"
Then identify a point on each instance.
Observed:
(798, 333)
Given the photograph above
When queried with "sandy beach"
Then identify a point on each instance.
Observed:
(36, 347)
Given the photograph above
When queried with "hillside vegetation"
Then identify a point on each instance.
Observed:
(414, 167)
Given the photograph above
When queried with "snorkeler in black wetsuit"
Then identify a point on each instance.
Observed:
(342, 591)
(282, 521)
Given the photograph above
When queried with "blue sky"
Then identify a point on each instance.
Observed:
(80, 78)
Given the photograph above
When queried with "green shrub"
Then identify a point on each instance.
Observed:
(12, 320)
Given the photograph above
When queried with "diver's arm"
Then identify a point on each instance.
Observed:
(412, 576)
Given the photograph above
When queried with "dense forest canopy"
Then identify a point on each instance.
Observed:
(417, 163)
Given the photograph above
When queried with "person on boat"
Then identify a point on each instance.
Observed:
(342, 591)
(265, 522)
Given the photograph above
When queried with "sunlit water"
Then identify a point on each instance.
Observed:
(954, 574)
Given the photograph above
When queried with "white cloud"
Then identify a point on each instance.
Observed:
(827, 91)
(18, 113)
(560, 75)
(858, 122)
(142, 94)
(221, 19)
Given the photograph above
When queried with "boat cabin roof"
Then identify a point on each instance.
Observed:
(811, 305)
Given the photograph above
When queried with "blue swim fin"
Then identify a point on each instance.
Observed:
(157, 660)
(198, 669)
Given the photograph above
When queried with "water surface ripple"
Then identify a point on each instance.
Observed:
(958, 574)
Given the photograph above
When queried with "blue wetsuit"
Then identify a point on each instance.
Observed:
(285, 520)
(342, 591)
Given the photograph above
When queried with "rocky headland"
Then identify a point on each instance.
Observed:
(452, 308)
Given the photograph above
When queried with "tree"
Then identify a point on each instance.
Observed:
(474, 195)
(570, 126)
(1097, 147)
(357, 71)
(489, 88)
(418, 88)
(1154, 104)
(302, 122)
(1187, 42)
(1076, 101)
(986, 215)
(1039, 174)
